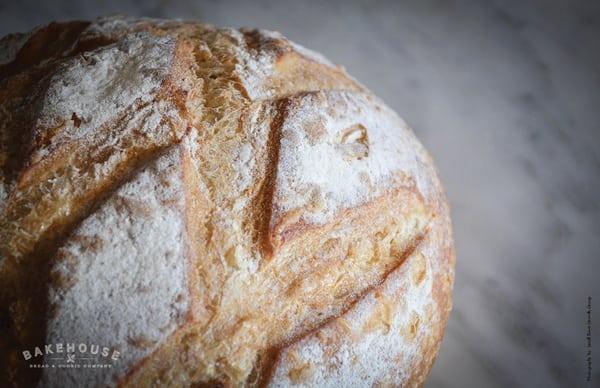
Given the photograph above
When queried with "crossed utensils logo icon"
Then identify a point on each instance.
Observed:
(70, 358)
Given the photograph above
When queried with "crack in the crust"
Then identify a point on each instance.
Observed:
(204, 62)
(265, 197)
(31, 67)
(275, 352)
(20, 207)
(268, 356)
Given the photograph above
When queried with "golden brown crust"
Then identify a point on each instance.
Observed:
(317, 241)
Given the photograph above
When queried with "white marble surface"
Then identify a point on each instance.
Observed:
(506, 95)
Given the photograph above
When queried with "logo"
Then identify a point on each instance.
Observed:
(71, 355)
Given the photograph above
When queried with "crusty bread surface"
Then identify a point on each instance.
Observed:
(221, 207)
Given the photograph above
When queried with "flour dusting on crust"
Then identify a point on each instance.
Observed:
(125, 275)
(341, 147)
(91, 89)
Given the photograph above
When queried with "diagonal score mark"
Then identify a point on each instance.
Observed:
(265, 193)
(69, 166)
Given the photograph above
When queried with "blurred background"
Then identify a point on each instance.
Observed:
(506, 96)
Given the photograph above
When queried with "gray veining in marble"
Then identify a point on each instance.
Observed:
(506, 96)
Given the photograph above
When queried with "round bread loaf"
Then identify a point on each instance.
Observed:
(210, 207)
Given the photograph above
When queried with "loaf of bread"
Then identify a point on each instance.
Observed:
(210, 207)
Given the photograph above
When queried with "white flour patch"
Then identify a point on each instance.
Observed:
(89, 90)
(127, 273)
(305, 165)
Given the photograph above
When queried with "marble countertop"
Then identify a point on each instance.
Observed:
(506, 96)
